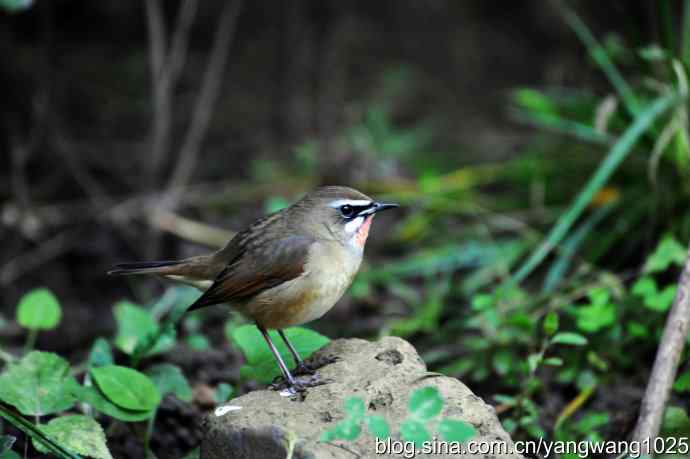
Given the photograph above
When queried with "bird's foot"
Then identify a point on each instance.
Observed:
(314, 363)
(299, 384)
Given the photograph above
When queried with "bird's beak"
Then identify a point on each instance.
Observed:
(377, 207)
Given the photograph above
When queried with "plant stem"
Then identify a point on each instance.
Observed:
(30, 340)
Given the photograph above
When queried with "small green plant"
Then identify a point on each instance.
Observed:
(424, 407)
(41, 384)
(38, 310)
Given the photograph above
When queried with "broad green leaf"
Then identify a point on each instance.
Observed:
(9, 454)
(354, 407)
(134, 323)
(100, 354)
(593, 317)
(573, 339)
(378, 426)
(551, 323)
(414, 431)
(94, 397)
(453, 430)
(169, 379)
(32, 430)
(35, 385)
(126, 387)
(425, 403)
(78, 433)
(222, 393)
(39, 310)
(261, 364)
(668, 252)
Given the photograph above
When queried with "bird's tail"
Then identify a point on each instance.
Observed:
(147, 267)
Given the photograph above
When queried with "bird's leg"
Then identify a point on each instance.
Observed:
(291, 382)
(301, 368)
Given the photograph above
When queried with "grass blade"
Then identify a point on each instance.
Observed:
(570, 246)
(616, 155)
(32, 431)
(602, 59)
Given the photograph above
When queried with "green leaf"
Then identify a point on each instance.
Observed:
(644, 287)
(169, 379)
(347, 429)
(378, 426)
(100, 354)
(39, 310)
(551, 323)
(613, 159)
(223, 393)
(35, 433)
(594, 317)
(661, 301)
(134, 323)
(197, 342)
(127, 388)
(261, 364)
(573, 339)
(425, 403)
(36, 384)
(668, 252)
(533, 361)
(682, 383)
(414, 431)
(553, 361)
(354, 407)
(9, 454)
(94, 397)
(453, 430)
(503, 362)
(78, 433)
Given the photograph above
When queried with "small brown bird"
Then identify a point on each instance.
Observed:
(285, 269)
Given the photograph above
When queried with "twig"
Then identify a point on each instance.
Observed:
(191, 230)
(665, 364)
(213, 77)
(160, 137)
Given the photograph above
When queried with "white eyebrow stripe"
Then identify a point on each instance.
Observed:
(352, 202)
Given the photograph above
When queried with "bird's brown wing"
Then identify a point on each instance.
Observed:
(257, 265)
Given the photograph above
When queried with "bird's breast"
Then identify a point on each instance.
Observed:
(328, 273)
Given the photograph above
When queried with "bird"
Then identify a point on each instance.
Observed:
(285, 269)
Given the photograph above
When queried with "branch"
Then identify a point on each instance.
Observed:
(161, 95)
(666, 363)
(213, 77)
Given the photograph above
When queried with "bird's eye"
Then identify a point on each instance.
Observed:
(347, 210)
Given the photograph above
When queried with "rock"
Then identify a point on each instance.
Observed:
(265, 425)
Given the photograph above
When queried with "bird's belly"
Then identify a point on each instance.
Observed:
(298, 301)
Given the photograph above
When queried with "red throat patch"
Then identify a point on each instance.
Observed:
(363, 232)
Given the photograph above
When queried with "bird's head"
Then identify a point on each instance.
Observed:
(340, 213)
